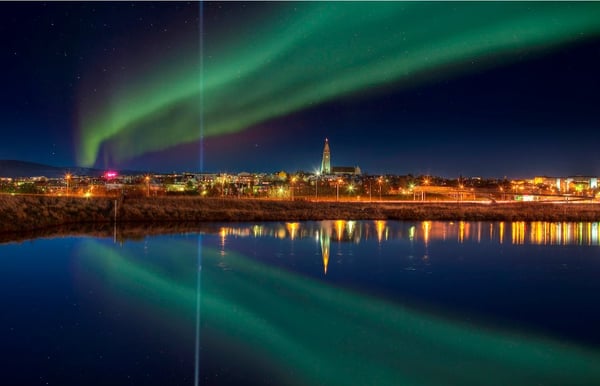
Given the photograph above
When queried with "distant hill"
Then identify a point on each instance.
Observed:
(14, 168)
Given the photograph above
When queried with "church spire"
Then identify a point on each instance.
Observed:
(326, 163)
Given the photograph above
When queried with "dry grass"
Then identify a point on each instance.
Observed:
(122, 232)
(22, 213)
(26, 213)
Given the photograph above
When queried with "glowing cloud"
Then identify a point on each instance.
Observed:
(309, 53)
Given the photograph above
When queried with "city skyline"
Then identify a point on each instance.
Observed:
(118, 85)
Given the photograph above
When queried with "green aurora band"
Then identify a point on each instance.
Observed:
(309, 332)
(305, 54)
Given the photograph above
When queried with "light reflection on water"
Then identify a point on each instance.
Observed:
(520, 232)
(260, 311)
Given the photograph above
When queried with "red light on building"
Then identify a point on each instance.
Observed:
(110, 174)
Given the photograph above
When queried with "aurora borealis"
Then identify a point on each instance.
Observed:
(301, 55)
(397, 87)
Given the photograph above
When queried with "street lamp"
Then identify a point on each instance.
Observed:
(379, 181)
(147, 179)
(292, 186)
(67, 179)
(317, 185)
(337, 190)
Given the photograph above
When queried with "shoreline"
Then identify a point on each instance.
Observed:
(31, 213)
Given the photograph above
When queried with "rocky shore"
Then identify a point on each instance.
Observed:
(28, 213)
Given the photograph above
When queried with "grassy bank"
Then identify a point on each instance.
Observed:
(26, 213)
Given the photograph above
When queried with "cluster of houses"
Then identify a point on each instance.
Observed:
(303, 185)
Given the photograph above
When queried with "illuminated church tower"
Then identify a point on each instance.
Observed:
(326, 163)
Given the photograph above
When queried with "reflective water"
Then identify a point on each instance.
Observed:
(333, 302)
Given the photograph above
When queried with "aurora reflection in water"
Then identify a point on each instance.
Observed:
(396, 303)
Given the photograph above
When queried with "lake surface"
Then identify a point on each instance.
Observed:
(310, 303)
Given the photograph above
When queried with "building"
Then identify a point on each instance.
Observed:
(327, 169)
(572, 184)
(326, 162)
(345, 170)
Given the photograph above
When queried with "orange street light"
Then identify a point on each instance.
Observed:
(67, 179)
(292, 187)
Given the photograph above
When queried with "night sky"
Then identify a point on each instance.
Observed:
(487, 89)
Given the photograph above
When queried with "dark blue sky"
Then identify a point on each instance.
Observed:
(534, 112)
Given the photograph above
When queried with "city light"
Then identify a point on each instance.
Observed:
(326, 187)
(110, 174)
(337, 189)
(292, 188)
(68, 179)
